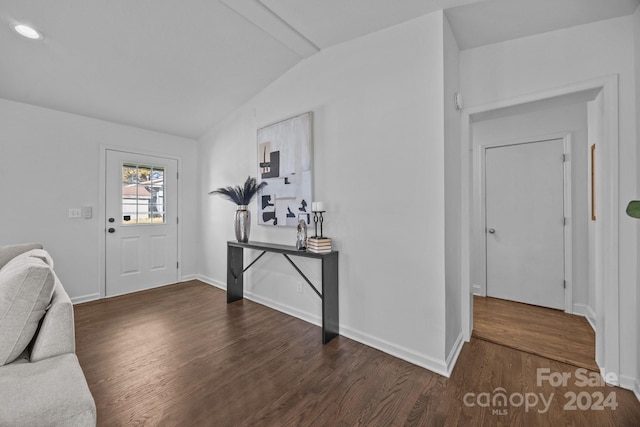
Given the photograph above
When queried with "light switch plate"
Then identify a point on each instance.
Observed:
(75, 213)
(87, 212)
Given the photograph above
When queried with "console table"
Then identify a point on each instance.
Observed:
(329, 289)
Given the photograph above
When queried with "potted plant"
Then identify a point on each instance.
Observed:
(241, 196)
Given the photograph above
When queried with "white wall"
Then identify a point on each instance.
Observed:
(544, 121)
(554, 60)
(379, 167)
(49, 162)
(453, 193)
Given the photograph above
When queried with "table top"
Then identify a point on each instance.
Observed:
(283, 249)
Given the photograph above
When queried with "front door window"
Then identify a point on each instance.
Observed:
(143, 194)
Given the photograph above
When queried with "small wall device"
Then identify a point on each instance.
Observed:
(457, 100)
(87, 212)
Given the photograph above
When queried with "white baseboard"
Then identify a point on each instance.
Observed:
(85, 298)
(628, 383)
(291, 311)
(586, 311)
(96, 296)
(438, 366)
(452, 358)
(408, 355)
(286, 309)
(212, 282)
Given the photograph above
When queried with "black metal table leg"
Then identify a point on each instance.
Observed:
(235, 284)
(330, 307)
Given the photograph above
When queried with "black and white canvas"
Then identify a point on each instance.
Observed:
(285, 162)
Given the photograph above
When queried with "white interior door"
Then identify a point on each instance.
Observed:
(525, 223)
(141, 228)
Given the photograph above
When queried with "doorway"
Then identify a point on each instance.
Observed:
(605, 319)
(141, 231)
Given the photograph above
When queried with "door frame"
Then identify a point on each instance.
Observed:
(480, 206)
(102, 215)
(607, 232)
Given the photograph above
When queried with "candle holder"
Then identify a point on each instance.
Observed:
(318, 217)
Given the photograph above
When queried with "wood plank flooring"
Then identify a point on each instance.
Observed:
(180, 356)
(543, 331)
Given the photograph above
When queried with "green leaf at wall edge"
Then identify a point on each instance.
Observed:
(633, 209)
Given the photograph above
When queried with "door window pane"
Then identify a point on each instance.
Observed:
(142, 194)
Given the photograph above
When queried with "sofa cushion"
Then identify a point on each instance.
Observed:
(26, 286)
(56, 334)
(9, 252)
(52, 392)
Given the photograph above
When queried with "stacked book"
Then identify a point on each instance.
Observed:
(319, 245)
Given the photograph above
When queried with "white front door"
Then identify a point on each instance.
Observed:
(525, 223)
(141, 228)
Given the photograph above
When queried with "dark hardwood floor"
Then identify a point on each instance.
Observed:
(180, 356)
(543, 331)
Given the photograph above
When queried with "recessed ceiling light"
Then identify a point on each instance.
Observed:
(28, 32)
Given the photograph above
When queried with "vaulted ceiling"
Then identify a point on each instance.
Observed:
(182, 66)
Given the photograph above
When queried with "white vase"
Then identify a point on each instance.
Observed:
(242, 224)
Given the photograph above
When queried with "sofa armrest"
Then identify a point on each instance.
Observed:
(56, 335)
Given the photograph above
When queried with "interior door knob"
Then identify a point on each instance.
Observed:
(492, 230)
(111, 230)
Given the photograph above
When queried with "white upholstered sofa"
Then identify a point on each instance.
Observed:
(41, 381)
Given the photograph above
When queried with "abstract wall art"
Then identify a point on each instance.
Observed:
(285, 162)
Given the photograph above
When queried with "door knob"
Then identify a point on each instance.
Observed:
(111, 230)
(492, 230)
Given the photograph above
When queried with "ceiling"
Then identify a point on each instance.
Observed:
(499, 20)
(181, 67)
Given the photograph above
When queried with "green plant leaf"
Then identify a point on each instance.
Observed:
(633, 209)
